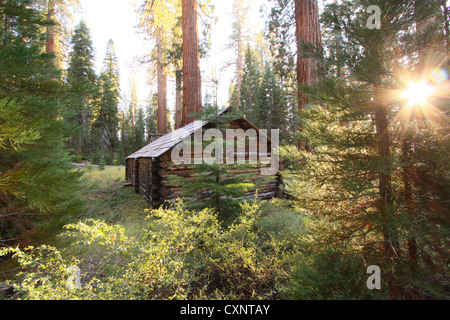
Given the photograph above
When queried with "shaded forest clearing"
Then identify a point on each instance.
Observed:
(107, 199)
(124, 250)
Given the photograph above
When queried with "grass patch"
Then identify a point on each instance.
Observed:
(280, 218)
(104, 178)
(107, 200)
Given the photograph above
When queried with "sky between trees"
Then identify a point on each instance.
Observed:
(103, 16)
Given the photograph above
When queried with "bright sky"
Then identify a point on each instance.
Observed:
(116, 19)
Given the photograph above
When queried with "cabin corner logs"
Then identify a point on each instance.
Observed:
(149, 174)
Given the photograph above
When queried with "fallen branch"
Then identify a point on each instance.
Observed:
(19, 214)
(6, 290)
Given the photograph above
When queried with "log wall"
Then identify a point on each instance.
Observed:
(149, 176)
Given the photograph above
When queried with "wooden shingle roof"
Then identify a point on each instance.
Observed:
(170, 140)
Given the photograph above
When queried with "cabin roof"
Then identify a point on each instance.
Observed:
(170, 140)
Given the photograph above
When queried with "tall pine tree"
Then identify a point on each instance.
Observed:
(251, 80)
(353, 181)
(106, 124)
(272, 109)
(35, 175)
(82, 79)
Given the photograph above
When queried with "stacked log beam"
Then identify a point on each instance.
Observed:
(157, 198)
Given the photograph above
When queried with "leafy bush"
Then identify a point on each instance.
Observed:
(45, 274)
(182, 255)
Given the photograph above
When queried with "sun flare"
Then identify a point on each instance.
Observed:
(418, 93)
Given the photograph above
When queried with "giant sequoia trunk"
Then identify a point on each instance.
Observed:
(178, 101)
(307, 30)
(192, 102)
(162, 88)
(240, 63)
(240, 58)
(50, 45)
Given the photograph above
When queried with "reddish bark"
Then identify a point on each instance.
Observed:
(192, 102)
(50, 45)
(178, 101)
(307, 30)
(162, 88)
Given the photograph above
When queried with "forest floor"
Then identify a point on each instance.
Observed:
(108, 200)
(105, 199)
(87, 165)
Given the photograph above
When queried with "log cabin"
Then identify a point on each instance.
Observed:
(148, 170)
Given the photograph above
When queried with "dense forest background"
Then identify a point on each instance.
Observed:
(361, 101)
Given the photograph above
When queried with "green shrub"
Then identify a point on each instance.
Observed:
(182, 255)
(96, 158)
(45, 274)
(79, 159)
(101, 165)
(329, 275)
(109, 160)
(280, 220)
